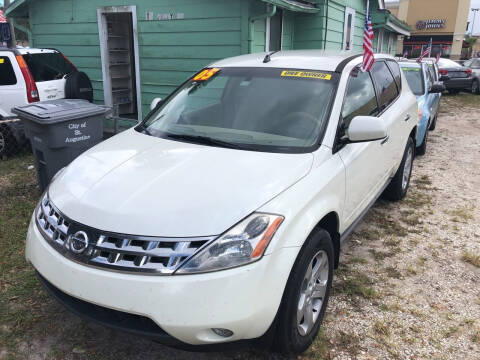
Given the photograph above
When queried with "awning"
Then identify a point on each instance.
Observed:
(382, 19)
(298, 6)
(17, 9)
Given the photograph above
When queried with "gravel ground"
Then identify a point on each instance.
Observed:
(407, 288)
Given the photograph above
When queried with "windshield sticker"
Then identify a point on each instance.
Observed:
(410, 69)
(1, 61)
(206, 74)
(306, 74)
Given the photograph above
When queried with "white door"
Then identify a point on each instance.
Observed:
(12, 85)
(366, 171)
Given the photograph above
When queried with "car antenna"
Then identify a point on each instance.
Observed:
(268, 56)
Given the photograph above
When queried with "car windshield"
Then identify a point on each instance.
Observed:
(446, 63)
(48, 66)
(414, 79)
(258, 109)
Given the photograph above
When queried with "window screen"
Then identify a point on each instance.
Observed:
(7, 74)
(360, 97)
(386, 87)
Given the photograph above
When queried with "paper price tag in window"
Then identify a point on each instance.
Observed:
(206, 74)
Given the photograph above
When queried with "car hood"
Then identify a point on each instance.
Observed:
(142, 185)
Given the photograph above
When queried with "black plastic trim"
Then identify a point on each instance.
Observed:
(344, 63)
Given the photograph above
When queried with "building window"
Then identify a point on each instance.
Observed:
(380, 41)
(349, 29)
(274, 32)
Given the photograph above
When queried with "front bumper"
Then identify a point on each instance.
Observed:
(244, 300)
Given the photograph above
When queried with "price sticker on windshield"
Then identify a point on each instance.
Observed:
(2, 61)
(410, 69)
(206, 74)
(306, 74)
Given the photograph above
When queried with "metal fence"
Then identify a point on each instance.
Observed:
(12, 138)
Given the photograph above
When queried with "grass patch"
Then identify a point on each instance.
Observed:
(471, 258)
(354, 284)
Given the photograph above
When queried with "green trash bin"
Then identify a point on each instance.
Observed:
(59, 131)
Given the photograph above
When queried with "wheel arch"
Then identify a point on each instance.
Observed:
(330, 223)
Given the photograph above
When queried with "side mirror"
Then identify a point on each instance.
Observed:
(444, 78)
(154, 103)
(437, 87)
(366, 128)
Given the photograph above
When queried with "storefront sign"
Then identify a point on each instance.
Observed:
(431, 24)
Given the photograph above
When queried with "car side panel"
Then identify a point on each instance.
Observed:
(12, 95)
(321, 192)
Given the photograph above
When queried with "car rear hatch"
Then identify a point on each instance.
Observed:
(49, 69)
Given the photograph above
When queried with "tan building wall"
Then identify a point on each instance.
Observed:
(454, 12)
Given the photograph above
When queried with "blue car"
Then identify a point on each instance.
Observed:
(428, 93)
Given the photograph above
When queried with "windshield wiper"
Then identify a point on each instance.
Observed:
(204, 140)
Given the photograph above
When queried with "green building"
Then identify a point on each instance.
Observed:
(136, 50)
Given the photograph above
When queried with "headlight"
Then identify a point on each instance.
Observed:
(243, 244)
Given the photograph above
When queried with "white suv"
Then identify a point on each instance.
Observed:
(220, 217)
(26, 76)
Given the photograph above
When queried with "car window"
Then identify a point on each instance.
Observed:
(445, 63)
(7, 74)
(432, 71)
(468, 63)
(395, 69)
(386, 87)
(414, 79)
(48, 66)
(476, 64)
(360, 98)
(255, 108)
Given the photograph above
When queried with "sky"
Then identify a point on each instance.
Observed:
(475, 4)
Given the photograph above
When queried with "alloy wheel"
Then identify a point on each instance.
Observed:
(474, 87)
(312, 292)
(407, 168)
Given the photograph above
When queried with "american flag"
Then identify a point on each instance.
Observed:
(368, 58)
(426, 52)
(3, 19)
(439, 54)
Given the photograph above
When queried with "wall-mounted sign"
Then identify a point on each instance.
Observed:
(430, 24)
(149, 16)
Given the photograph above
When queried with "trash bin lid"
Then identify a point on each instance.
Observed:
(56, 111)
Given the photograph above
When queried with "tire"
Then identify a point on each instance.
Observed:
(397, 189)
(422, 149)
(475, 87)
(78, 86)
(433, 125)
(453, 91)
(295, 336)
(8, 144)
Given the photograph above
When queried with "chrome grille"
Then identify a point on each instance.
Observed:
(154, 255)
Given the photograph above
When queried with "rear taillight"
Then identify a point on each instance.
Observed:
(443, 72)
(32, 91)
(469, 71)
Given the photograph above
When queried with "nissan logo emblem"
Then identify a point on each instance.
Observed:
(78, 242)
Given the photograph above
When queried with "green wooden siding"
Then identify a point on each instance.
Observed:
(170, 51)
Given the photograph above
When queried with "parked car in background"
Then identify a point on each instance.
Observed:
(474, 64)
(421, 82)
(459, 77)
(242, 185)
(30, 75)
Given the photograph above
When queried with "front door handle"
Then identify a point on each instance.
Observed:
(407, 117)
(385, 139)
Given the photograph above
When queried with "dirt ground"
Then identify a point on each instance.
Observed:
(408, 286)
